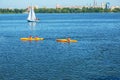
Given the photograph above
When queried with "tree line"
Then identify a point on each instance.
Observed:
(9, 11)
(60, 10)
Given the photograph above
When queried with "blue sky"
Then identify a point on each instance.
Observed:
(51, 3)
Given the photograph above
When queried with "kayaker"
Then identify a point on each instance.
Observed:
(36, 37)
(30, 37)
(68, 39)
(37, 19)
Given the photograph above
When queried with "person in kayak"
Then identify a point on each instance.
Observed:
(30, 37)
(36, 37)
(68, 39)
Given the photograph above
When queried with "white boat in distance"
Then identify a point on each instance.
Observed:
(31, 16)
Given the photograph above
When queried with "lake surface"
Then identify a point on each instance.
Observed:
(96, 55)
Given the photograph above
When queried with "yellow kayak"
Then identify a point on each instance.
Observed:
(65, 40)
(31, 39)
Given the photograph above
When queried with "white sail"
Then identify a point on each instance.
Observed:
(31, 16)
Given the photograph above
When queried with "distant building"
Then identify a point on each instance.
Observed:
(103, 5)
(94, 4)
(36, 7)
(107, 5)
(58, 6)
(29, 7)
(113, 7)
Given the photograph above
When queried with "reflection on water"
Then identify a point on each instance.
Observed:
(32, 28)
(32, 25)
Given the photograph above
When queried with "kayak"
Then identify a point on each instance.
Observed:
(31, 39)
(65, 40)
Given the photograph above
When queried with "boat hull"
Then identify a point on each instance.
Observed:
(33, 20)
(31, 39)
(65, 40)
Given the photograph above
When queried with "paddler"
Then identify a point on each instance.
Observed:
(36, 37)
(68, 39)
(30, 37)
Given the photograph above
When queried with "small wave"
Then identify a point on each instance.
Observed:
(2, 38)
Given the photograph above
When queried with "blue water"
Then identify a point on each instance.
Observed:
(96, 55)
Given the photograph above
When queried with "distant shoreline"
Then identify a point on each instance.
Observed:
(61, 10)
(65, 13)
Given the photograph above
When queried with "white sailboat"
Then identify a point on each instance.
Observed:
(31, 16)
